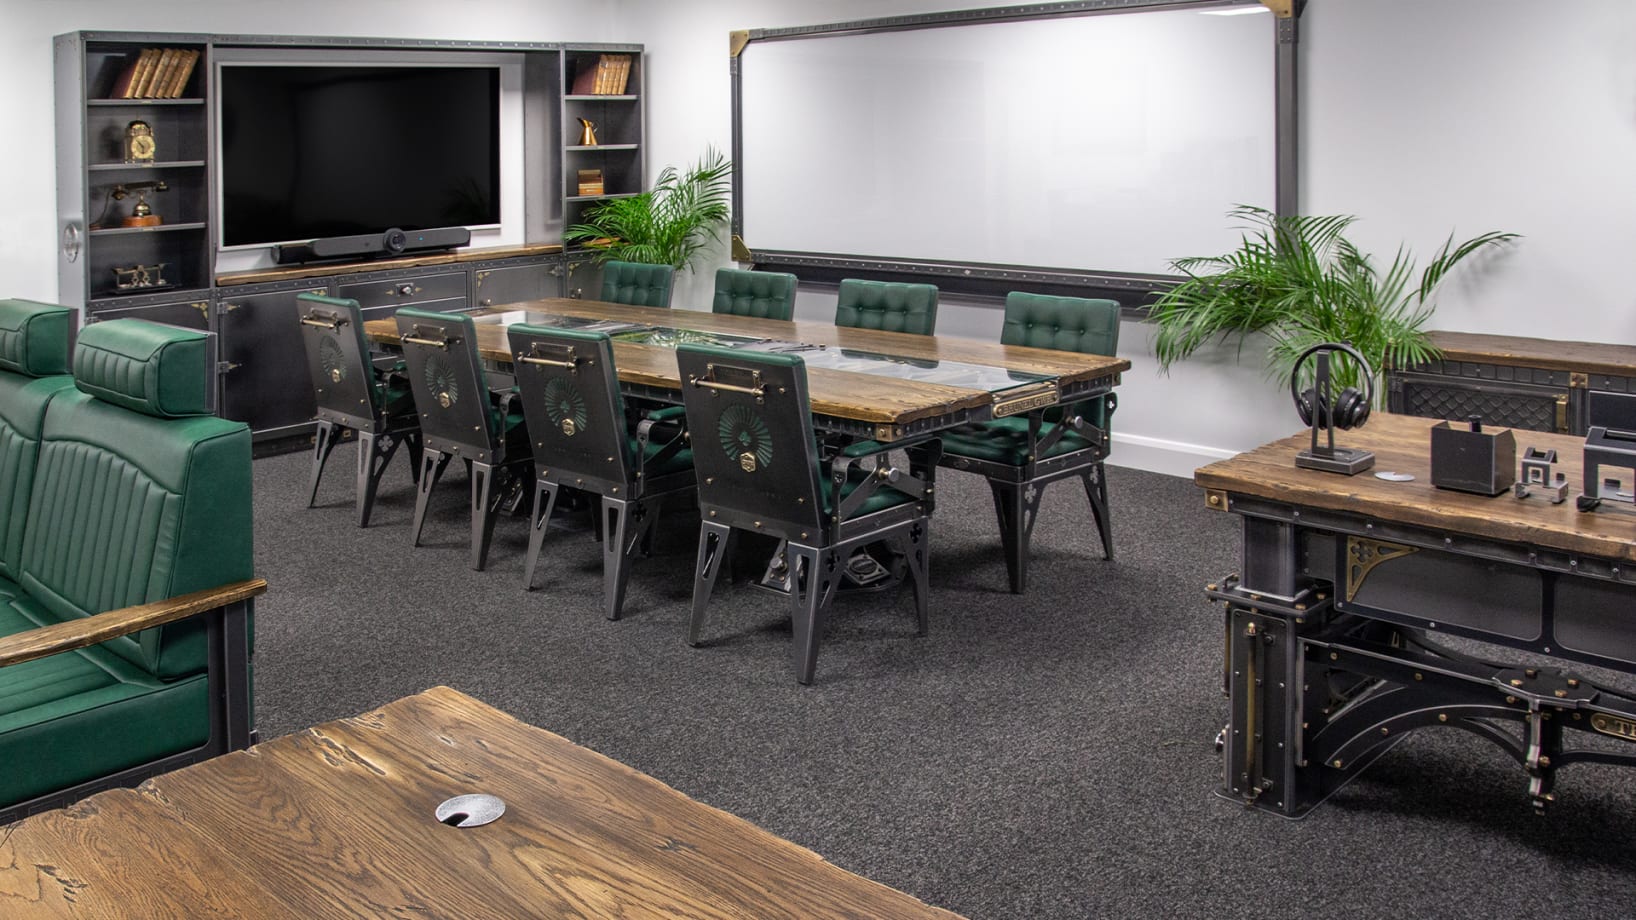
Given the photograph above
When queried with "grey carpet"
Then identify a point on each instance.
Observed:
(1039, 756)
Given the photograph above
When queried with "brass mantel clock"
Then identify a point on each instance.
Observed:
(140, 145)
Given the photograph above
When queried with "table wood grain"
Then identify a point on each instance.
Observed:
(841, 394)
(1403, 443)
(1519, 351)
(337, 821)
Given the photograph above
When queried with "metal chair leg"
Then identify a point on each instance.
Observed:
(1016, 505)
(1096, 489)
(432, 464)
(482, 513)
(619, 543)
(323, 443)
(545, 501)
(374, 456)
(917, 550)
(812, 583)
(413, 440)
(714, 543)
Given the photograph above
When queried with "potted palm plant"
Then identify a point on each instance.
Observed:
(1300, 281)
(668, 224)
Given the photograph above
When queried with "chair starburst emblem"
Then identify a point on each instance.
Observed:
(745, 438)
(565, 405)
(441, 380)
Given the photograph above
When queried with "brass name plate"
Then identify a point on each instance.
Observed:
(1026, 399)
(1615, 726)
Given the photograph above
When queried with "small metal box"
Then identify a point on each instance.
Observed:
(1473, 460)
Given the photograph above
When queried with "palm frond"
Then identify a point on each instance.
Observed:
(669, 224)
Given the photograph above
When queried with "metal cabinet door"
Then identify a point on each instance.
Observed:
(194, 314)
(265, 383)
(493, 287)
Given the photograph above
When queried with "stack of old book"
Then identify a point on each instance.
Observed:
(607, 77)
(156, 73)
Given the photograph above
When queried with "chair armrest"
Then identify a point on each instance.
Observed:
(64, 637)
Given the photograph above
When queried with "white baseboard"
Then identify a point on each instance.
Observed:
(1157, 455)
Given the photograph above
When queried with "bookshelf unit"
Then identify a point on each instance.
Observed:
(261, 375)
(619, 123)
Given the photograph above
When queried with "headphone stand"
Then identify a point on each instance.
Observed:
(1348, 461)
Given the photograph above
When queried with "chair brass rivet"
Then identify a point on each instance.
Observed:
(712, 514)
(1442, 717)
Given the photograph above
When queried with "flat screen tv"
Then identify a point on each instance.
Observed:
(311, 151)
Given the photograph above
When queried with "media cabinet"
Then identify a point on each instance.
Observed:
(261, 375)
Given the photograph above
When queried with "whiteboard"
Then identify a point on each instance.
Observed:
(1110, 142)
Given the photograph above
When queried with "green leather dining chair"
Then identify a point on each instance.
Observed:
(891, 306)
(759, 471)
(636, 284)
(460, 417)
(352, 394)
(764, 295)
(1021, 455)
(585, 439)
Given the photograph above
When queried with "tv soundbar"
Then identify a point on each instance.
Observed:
(371, 245)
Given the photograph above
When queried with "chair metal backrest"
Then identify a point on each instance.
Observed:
(572, 406)
(451, 392)
(753, 445)
(1064, 323)
(887, 305)
(636, 284)
(343, 381)
(764, 295)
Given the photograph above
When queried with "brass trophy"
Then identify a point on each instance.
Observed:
(587, 133)
(142, 214)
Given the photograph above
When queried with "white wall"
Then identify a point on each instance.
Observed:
(1420, 116)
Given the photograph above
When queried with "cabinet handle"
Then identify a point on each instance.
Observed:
(71, 239)
(404, 290)
(1562, 413)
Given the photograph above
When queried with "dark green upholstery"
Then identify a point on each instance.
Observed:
(636, 284)
(134, 500)
(763, 295)
(34, 337)
(887, 305)
(33, 369)
(1065, 441)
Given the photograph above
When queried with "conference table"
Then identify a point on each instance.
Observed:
(342, 820)
(1335, 624)
(885, 386)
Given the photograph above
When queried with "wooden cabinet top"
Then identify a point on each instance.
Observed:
(1518, 351)
(331, 269)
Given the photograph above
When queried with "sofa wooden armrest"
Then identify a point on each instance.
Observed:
(79, 633)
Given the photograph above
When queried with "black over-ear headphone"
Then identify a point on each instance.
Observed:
(1348, 410)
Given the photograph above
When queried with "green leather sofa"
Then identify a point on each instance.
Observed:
(125, 559)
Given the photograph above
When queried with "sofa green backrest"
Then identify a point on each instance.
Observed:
(33, 369)
(138, 494)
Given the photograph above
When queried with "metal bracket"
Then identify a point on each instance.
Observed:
(1283, 9)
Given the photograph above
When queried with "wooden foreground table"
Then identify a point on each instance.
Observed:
(337, 821)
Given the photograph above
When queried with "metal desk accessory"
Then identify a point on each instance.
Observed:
(1320, 407)
(1539, 472)
(1609, 447)
(1473, 460)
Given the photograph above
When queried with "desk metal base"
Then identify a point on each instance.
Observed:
(1331, 655)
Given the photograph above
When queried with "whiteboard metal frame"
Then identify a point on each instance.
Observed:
(987, 280)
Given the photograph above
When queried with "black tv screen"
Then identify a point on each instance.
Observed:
(338, 150)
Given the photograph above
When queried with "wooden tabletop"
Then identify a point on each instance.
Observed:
(330, 269)
(1402, 443)
(337, 821)
(1518, 351)
(841, 394)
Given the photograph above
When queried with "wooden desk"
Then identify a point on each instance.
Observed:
(1331, 655)
(855, 403)
(337, 821)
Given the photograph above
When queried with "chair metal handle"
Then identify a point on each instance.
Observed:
(414, 337)
(572, 364)
(756, 389)
(331, 324)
